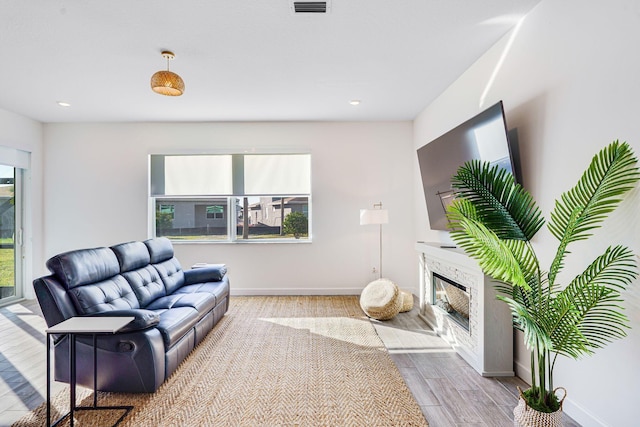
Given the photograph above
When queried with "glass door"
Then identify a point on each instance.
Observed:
(10, 234)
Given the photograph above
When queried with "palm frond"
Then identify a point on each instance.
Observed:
(558, 261)
(592, 320)
(532, 297)
(494, 255)
(535, 336)
(503, 206)
(587, 313)
(612, 172)
(615, 268)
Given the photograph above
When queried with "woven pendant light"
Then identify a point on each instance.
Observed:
(167, 82)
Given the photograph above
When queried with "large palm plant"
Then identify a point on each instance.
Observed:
(494, 219)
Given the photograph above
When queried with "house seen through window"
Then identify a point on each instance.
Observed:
(215, 212)
(236, 197)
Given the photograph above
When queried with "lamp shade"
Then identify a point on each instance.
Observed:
(167, 83)
(374, 216)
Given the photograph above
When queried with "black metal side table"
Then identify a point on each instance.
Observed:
(73, 327)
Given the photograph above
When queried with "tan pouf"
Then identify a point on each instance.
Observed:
(407, 301)
(381, 299)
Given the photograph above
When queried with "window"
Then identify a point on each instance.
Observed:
(169, 210)
(215, 212)
(231, 197)
(14, 167)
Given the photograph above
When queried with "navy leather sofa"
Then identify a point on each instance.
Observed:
(174, 309)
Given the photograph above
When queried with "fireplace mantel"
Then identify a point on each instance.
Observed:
(488, 344)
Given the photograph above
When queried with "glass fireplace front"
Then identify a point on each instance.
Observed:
(453, 298)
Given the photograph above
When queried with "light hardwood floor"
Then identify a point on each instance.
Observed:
(22, 361)
(448, 390)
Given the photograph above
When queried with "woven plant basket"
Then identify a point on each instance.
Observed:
(526, 416)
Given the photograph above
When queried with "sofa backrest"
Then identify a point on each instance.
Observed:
(162, 258)
(92, 279)
(134, 260)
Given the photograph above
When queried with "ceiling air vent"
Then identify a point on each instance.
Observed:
(310, 7)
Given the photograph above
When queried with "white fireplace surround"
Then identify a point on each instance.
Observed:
(488, 344)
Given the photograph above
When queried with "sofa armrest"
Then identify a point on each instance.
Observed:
(143, 319)
(204, 274)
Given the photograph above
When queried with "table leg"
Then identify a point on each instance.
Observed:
(48, 380)
(95, 406)
(72, 368)
(95, 372)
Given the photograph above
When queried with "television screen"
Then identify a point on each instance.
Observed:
(482, 137)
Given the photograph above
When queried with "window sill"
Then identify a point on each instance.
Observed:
(242, 242)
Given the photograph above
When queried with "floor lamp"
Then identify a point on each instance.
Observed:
(374, 216)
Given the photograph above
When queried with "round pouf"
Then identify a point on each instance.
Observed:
(407, 301)
(381, 299)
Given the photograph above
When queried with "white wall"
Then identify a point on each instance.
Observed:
(24, 134)
(96, 195)
(569, 81)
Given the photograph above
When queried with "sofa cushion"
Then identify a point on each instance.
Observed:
(219, 289)
(80, 267)
(114, 293)
(131, 255)
(146, 283)
(169, 268)
(203, 302)
(171, 274)
(175, 323)
(160, 249)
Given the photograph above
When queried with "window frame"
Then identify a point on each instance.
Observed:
(234, 206)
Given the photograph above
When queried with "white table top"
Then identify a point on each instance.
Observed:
(90, 325)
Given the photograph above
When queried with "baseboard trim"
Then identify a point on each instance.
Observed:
(580, 415)
(523, 372)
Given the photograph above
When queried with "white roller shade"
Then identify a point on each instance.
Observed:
(197, 175)
(14, 158)
(277, 174)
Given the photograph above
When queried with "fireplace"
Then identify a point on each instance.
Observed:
(460, 303)
(452, 298)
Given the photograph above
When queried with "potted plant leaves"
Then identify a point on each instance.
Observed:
(494, 219)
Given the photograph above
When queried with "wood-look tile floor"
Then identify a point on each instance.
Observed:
(447, 389)
(23, 368)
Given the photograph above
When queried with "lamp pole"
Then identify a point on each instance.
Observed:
(375, 216)
(379, 206)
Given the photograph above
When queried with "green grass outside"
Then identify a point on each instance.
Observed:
(7, 270)
(197, 237)
(223, 238)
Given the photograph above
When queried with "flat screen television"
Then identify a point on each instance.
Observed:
(483, 137)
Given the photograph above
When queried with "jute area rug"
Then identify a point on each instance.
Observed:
(272, 361)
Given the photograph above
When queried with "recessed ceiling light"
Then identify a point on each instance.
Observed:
(354, 102)
(64, 104)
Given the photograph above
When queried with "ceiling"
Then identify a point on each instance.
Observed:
(241, 60)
